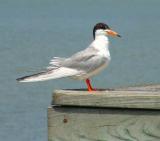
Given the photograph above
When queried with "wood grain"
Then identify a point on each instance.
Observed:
(124, 114)
(122, 98)
(102, 124)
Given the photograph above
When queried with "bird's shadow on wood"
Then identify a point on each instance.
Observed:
(97, 89)
(108, 110)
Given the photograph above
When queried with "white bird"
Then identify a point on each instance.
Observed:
(82, 65)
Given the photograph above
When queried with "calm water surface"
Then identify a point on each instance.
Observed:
(33, 31)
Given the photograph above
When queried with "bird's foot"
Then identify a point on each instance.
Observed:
(89, 86)
(91, 89)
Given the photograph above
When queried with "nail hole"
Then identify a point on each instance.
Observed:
(65, 120)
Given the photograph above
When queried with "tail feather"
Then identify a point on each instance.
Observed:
(33, 77)
(49, 74)
(56, 62)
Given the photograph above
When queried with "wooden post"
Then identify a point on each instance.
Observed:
(131, 114)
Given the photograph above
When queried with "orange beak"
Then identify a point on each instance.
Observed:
(112, 33)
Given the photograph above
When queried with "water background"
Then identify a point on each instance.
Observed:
(33, 31)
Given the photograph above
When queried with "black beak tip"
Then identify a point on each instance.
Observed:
(119, 36)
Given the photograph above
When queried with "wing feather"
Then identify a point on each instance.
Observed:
(86, 60)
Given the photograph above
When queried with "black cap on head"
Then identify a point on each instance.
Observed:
(99, 26)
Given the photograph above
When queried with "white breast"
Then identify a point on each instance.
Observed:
(98, 70)
(101, 45)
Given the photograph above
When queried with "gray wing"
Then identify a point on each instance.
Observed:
(86, 60)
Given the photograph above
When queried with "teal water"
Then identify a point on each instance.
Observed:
(33, 31)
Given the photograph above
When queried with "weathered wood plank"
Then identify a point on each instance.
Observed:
(102, 124)
(125, 114)
(146, 97)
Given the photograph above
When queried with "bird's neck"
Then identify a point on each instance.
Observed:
(102, 38)
(102, 41)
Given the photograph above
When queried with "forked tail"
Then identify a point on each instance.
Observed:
(48, 74)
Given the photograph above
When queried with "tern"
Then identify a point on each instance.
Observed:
(82, 65)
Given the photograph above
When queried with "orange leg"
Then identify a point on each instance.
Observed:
(89, 85)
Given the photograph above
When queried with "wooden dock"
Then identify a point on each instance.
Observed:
(126, 114)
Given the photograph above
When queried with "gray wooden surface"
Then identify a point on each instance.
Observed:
(124, 114)
(102, 124)
(145, 97)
